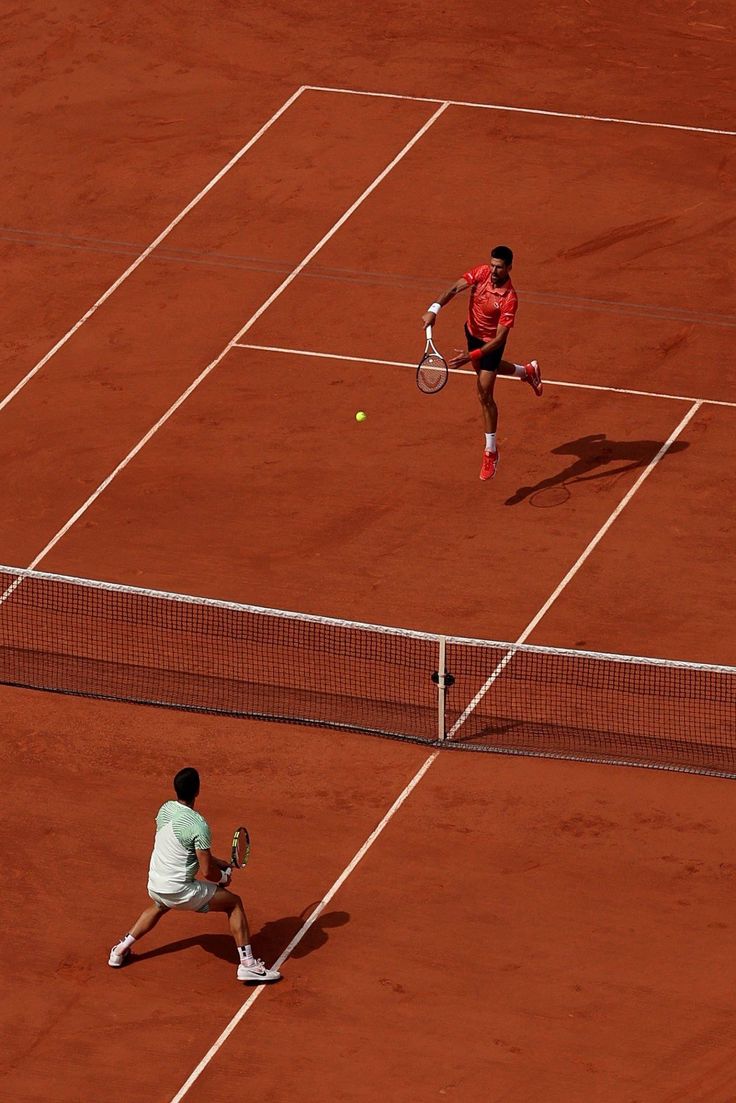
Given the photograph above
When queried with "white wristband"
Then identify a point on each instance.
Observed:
(224, 874)
(435, 308)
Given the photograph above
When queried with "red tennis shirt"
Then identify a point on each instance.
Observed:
(489, 306)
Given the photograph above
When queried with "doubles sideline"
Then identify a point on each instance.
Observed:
(231, 344)
(149, 249)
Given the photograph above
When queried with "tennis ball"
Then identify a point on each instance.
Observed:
(360, 416)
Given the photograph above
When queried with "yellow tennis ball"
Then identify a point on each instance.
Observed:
(360, 416)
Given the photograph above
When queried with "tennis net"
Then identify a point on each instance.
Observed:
(124, 643)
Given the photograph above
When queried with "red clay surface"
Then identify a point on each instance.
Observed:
(339, 519)
(522, 930)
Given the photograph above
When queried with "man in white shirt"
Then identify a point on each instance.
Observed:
(182, 849)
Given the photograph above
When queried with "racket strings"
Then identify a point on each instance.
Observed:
(241, 848)
(432, 373)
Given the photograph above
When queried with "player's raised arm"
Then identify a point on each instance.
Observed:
(430, 315)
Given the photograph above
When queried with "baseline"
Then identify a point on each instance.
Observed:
(527, 110)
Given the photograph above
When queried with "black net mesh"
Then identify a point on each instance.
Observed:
(582, 705)
(122, 643)
(136, 645)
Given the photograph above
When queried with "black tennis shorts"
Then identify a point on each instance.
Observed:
(491, 360)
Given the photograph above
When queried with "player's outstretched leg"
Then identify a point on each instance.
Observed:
(251, 969)
(145, 922)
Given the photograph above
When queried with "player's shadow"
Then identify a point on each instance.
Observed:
(268, 943)
(219, 945)
(594, 455)
(275, 936)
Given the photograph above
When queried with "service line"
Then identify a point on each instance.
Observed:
(465, 371)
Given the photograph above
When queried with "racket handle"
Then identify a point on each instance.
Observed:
(428, 333)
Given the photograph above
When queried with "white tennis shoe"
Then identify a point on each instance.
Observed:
(257, 973)
(117, 959)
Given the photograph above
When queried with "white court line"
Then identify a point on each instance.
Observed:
(575, 567)
(251, 321)
(526, 110)
(465, 371)
(245, 1008)
(248, 1004)
(149, 249)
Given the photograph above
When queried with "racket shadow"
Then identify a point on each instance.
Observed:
(275, 936)
(594, 456)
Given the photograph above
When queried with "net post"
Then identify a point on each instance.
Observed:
(441, 679)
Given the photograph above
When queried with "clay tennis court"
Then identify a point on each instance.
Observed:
(219, 236)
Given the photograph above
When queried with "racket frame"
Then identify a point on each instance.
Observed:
(240, 832)
(431, 350)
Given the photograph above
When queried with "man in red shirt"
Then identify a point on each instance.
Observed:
(491, 312)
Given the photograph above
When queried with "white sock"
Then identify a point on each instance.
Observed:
(520, 371)
(246, 955)
(125, 944)
(490, 442)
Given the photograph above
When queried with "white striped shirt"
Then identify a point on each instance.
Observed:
(180, 831)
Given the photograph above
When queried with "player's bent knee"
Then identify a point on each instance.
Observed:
(224, 900)
(237, 903)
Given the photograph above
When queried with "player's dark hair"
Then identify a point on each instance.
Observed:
(502, 252)
(186, 784)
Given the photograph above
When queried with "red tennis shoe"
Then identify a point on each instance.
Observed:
(534, 376)
(489, 465)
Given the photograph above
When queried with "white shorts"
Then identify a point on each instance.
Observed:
(194, 897)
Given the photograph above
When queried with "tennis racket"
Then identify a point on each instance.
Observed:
(432, 373)
(240, 849)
